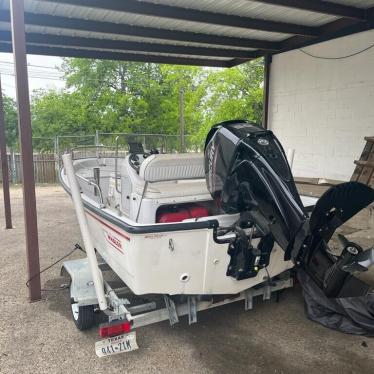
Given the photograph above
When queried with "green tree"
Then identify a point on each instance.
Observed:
(122, 95)
(134, 97)
(235, 93)
(11, 122)
(112, 96)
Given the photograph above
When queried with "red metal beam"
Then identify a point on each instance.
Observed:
(25, 137)
(4, 166)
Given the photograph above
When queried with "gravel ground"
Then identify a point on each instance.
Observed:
(41, 337)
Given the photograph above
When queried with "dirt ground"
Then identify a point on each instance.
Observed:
(41, 337)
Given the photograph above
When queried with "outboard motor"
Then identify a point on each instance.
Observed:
(247, 173)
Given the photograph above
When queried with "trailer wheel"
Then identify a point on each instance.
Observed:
(83, 316)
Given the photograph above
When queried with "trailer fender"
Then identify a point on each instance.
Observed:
(82, 289)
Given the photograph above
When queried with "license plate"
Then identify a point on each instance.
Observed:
(116, 344)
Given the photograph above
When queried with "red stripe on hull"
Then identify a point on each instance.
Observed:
(105, 224)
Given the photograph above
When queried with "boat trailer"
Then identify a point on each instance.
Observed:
(127, 311)
(90, 292)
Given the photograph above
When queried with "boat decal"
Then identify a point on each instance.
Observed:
(107, 225)
(154, 236)
(113, 241)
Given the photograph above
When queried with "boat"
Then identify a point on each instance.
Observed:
(217, 223)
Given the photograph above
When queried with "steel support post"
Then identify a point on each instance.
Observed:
(4, 165)
(265, 113)
(25, 139)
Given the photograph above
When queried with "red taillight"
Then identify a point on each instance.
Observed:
(113, 329)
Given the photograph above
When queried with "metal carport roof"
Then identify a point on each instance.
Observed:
(220, 33)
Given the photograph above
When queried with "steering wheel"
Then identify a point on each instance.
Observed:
(134, 161)
(153, 151)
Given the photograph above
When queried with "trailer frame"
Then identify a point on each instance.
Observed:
(83, 293)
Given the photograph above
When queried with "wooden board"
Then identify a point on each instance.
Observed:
(364, 171)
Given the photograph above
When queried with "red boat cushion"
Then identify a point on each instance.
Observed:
(182, 213)
(178, 216)
(197, 211)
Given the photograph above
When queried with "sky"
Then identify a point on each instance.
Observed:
(42, 70)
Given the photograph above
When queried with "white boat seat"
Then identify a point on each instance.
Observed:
(181, 188)
(171, 167)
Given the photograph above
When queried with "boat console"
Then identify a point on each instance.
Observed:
(163, 188)
(157, 187)
(137, 155)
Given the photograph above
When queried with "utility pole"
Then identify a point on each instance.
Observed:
(4, 165)
(181, 121)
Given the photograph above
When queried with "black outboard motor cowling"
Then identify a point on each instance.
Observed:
(246, 168)
(247, 172)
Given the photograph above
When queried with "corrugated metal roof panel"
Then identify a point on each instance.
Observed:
(241, 8)
(87, 34)
(356, 3)
(252, 9)
(147, 21)
(249, 7)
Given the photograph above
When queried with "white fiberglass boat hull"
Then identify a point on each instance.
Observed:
(177, 262)
(177, 258)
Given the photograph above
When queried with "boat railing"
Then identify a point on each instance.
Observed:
(116, 162)
(99, 151)
(114, 148)
(97, 187)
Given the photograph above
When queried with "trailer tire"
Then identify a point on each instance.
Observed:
(83, 316)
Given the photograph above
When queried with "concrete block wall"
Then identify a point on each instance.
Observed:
(324, 108)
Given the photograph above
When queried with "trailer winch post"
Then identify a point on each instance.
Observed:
(97, 275)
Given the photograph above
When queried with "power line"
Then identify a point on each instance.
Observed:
(32, 68)
(34, 76)
(37, 73)
(32, 73)
(37, 66)
(7, 85)
(340, 57)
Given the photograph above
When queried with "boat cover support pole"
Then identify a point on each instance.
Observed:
(97, 276)
(25, 140)
(4, 165)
